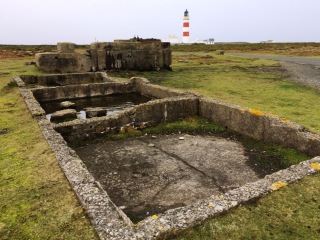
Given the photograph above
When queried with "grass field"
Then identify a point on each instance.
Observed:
(291, 49)
(36, 201)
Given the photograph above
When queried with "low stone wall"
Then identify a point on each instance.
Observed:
(148, 114)
(81, 85)
(64, 79)
(260, 126)
(143, 86)
(81, 91)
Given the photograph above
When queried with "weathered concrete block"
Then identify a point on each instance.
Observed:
(95, 112)
(65, 47)
(63, 62)
(64, 114)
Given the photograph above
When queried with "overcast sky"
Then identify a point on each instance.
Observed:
(84, 21)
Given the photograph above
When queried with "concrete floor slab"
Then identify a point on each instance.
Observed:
(149, 175)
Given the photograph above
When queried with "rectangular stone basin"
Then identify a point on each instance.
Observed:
(165, 183)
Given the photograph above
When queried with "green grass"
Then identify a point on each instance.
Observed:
(36, 201)
(291, 49)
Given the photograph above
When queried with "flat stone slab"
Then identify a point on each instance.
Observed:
(64, 114)
(95, 112)
(67, 104)
(147, 175)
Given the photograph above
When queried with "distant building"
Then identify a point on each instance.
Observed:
(172, 39)
(268, 41)
(209, 41)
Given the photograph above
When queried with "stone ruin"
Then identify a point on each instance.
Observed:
(133, 54)
(167, 105)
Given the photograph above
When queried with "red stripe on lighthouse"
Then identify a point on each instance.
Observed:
(185, 24)
(186, 34)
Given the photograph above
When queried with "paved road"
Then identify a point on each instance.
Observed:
(298, 60)
(302, 70)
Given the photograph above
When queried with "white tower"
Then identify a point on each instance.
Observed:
(185, 34)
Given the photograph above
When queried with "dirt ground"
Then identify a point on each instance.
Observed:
(151, 174)
(6, 54)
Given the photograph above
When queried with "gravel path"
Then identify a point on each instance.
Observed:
(302, 70)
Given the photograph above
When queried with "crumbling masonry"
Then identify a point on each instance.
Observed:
(134, 54)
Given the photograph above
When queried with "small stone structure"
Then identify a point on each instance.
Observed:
(65, 60)
(171, 105)
(134, 54)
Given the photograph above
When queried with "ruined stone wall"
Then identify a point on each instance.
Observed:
(133, 54)
(147, 114)
(260, 126)
(136, 55)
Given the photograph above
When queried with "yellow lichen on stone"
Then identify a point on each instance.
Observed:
(315, 166)
(210, 205)
(284, 120)
(155, 217)
(137, 224)
(277, 185)
(256, 112)
(314, 139)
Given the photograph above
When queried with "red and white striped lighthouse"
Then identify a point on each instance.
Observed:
(185, 35)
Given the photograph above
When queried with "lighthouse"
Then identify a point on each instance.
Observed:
(185, 34)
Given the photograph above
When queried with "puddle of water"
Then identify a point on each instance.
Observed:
(112, 103)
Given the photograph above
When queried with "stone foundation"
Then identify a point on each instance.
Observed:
(109, 220)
